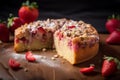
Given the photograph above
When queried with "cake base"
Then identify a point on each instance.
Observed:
(48, 68)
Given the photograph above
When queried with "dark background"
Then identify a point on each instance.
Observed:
(94, 12)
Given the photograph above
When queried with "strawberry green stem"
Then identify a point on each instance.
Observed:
(2, 21)
(30, 5)
(114, 17)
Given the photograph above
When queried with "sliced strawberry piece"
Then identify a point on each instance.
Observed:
(14, 64)
(70, 27)
(41, 30)
(87, 69)
(16, 40)
(29, 56)
(60, 35)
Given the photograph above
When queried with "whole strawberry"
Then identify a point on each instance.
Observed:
(14, 23)
(4, 32)
(110, 66)
(113, 23)
(28, 12)
(113, 38)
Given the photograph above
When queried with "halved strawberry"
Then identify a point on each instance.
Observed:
(29, 56)
(114, 38)
(87, 69)
(13, 63)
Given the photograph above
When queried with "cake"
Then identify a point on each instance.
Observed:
(76, 41)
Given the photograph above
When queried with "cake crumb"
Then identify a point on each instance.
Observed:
(56, 56)
(26, 70)
(44, 49)
(53, 58)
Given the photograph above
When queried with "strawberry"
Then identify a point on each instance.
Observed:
(114, 38)
(70, 27)
(4, 32)
(13, 64)
(29, 56)
(87, 69)
(14, 23)
(41, 30)
(28, 12)
(113, 23)
(110, 66)
(60, 36)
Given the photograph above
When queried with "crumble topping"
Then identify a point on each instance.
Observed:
(78, 29)
(66, 28)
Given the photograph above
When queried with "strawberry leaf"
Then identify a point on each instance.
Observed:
(30, 5)
(114, 17)
(118, 67)
(10, 20)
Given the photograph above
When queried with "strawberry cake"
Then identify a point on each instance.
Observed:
(76, 41)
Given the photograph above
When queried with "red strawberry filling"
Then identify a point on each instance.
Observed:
(70, 27)
(23, 39)
(41, 30)
(60, 35)
(70, 44)
(75, 47)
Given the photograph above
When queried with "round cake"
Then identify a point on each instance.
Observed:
(76, 41)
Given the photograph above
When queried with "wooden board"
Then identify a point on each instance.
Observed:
(47, 68)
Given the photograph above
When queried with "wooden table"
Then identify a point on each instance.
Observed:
(105, 49)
